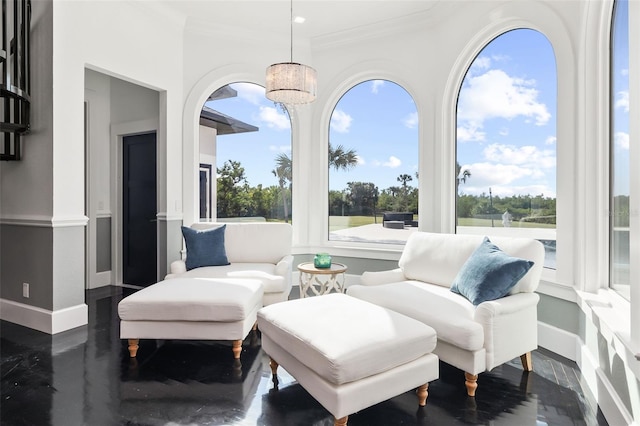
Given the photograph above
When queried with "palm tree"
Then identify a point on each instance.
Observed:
(466, 174)
(283, 172)
(341, 159)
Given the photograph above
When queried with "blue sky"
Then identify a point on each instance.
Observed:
(506, 124)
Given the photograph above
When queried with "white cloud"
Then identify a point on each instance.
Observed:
(621, 140)
(622, 100)
(340, 121)
(250, 92)
(360, 160)
(411, 121)
(624, 72)
(469, 133)
(495, 94)
(551, 140)
(529, 156)
(280, 148)
(376, 85)
(274, 118)
(392, 162)
(500, 178)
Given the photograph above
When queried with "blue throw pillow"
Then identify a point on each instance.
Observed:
(489, 274)
(205, 248)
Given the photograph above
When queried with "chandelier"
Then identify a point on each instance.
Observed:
(290, 82)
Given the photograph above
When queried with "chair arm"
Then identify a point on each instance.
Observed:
(382, 277)
(178, 267)
(285, 266)
(505, 306)
(510, 327)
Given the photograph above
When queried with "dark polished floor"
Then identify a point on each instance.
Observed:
(85, 377)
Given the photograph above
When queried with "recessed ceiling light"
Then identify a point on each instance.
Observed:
(299, 19)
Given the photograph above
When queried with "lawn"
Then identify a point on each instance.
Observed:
(343, 222)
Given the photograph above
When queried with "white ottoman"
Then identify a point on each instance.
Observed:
(347, 353)
(191, 309)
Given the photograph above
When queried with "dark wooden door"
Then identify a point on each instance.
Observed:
(139, 225)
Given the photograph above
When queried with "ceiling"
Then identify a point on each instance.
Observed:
(323, 17)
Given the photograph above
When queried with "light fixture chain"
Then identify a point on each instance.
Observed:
(291, 32)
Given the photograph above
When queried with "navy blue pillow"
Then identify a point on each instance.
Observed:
(205, 248)
(489, 274)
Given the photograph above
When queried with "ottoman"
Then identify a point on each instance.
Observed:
(347, 353)
(191, 309)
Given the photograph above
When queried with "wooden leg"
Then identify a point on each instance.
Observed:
(237, 348)
(341, 422)
(422, 394)
(471, 381)
(255, 326)
(527, 364)
(133, 347)
(274, 367)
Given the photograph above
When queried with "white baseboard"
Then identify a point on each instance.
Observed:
(570, 346)
(50, 322)
(101, 279)
(558, 341)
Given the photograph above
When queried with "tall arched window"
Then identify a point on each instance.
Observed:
(245, 156)
(373, 165)
(619, 149)
(506, 141)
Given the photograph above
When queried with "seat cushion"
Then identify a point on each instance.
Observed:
(193, 299)
(450, 314)
(263, 272)
(344, 339)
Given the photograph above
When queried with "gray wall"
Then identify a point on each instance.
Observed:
(103, 244)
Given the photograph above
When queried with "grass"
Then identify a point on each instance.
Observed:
(471, 221)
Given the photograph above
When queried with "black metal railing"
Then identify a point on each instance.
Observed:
(15, 87)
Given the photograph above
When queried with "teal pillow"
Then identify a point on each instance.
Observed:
(205, 248)
(489, 274)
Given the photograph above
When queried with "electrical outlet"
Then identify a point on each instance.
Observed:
(25, 290)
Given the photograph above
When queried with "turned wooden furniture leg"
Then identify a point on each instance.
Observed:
(471, 381)
(341, 422)
(133, 347)
(237, 348)
(274, 366)
(422, 394)
(527, 364)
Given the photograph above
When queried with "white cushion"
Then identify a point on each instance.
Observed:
(436, 258)
(193, 299)
(265, 273)
(451, 315)
(344, 339)
(258, 242)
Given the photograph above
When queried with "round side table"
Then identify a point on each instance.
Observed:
(318, 281)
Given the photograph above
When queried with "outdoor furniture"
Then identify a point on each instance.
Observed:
(393, 220)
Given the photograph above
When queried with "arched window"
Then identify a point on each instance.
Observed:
(506, 141)
(245, 156)
(373, 165)
(619, 148)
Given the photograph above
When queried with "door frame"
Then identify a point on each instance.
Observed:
(118, 132)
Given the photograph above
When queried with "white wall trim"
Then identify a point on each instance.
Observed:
(558, 341)
(608, 400)
(570, 346)
(167, 217)
(101, 279)
(50, 322)
(43, 221)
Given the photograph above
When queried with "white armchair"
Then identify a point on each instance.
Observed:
(472, 338)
